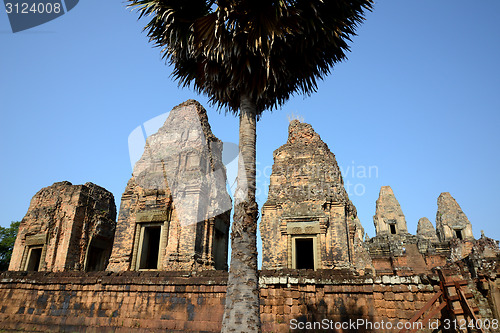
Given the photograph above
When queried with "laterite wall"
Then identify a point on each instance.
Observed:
(184, 302)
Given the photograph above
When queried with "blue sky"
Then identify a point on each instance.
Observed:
(418, 101)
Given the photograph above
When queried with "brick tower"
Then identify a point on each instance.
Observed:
(67, 227)
(174, 213)
(308, 221)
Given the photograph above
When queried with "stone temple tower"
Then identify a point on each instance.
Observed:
(67, 227)
(426, 230)
(174, 213)
(451, 221)
(389, 218)
(308, 221)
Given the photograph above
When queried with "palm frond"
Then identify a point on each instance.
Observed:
(266, 49)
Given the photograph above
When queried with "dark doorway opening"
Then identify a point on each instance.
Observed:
(304, 253)
(150, 248)
(220, 250)
(458, 233)
(96, 259)
(35, 256)
(393, 229)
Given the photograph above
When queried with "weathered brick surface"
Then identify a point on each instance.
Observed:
(426, 230)
(389, 218)
(450, 219)
(387, 278)
(307, 199)
(180, 184)
(105, 302)
(64, 220)
(194, 302)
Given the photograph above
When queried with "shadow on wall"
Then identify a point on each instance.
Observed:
(342, 314)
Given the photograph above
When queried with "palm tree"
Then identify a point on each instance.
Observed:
(249, 56)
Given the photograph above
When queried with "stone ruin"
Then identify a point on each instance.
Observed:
(394, 250)
(308, 221)
(67, 227)
(174, 217)
(175, 211)
(426, 230)
(451, 222)
(389, 218)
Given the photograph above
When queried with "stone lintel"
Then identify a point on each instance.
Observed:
(152, 215)
(306, 224)
(296, 228)
(39, 239)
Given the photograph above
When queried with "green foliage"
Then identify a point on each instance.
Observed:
(267, 50)
(7, 239)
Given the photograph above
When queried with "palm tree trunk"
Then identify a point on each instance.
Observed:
(242, 309)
